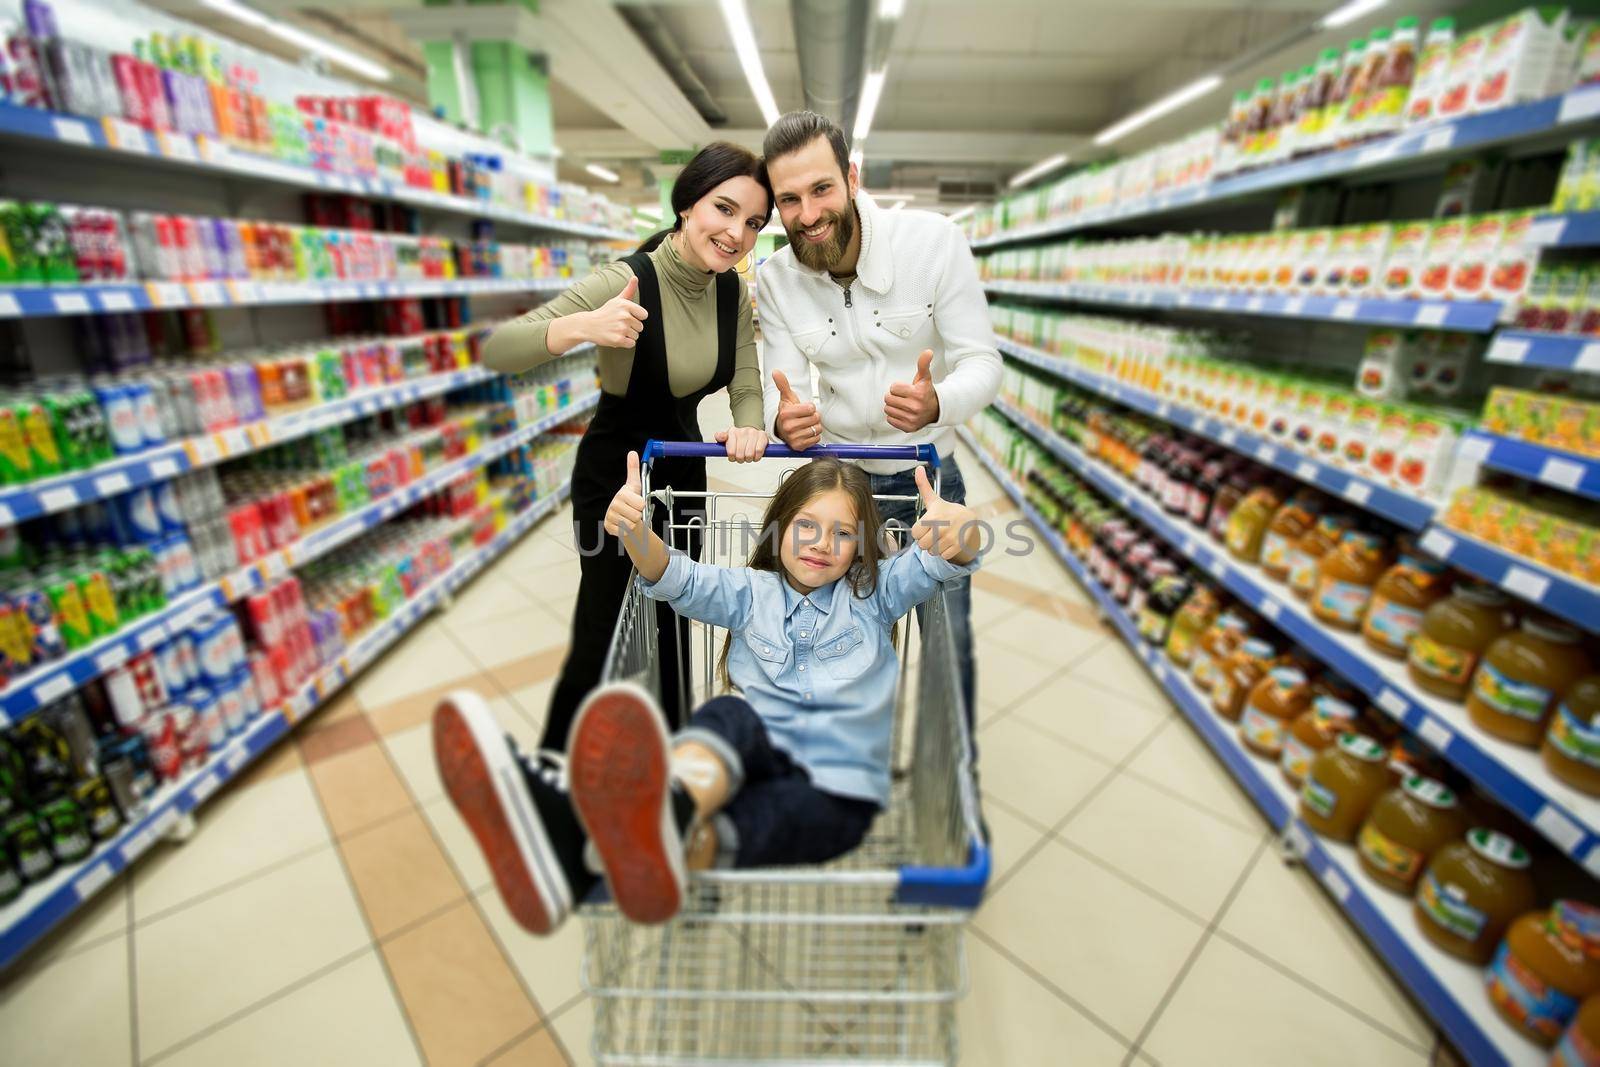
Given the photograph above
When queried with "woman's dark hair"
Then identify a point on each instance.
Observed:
(710, 167)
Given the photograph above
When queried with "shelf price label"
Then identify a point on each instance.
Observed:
(1562, 473)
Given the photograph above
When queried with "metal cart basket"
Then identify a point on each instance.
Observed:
(859, 960)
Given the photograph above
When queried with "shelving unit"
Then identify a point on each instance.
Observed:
(1577, 602)
(1555, 351)
(1513, 776)
(134, 145)
(43, 906)
(1449, 990)
(29, 692)
(1412, 512)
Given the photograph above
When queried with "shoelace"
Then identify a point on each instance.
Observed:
(548, 765)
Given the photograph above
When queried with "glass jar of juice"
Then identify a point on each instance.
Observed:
(1233, 489)
(1307, 553)
(1341, 786)
(1454, 635)
(1522, 676)
(1240, 672)
(1275, 702)
(1572, 746)
(1546, 967)
(1289, 524)
(1472, 891)
(1580, 1046)
(1315, 729)
(1247, 525)
(1216, 645)
(1404, 593)
(1406, 827)
(1346, 577)
(1194, 618)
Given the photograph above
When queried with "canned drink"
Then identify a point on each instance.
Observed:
(98, 599)
(212, 263)
(122, 418)
(169, 661)
(162, 742)
(45, 636)
(231, 707)
(144, 403)
(166, 564)
(127, 704)
(134, 517)
(208, 717)
(188, 658)
(265, 679)
(253, 706)
(67, 600)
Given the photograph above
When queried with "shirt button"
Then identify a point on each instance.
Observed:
(765, 651)
(839, 647)
(802, 666)
(804, 634)
(808, 696)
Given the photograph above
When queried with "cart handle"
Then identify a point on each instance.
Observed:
(654, 449)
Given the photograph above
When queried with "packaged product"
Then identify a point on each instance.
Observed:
(1306, 417)
(1238, 674)
(1472, 891)
(1366, 265)
(1341, 785)
(1571, 749)
(1433, 69)
(1406, 826)
(1315, 251)
(1275, 702)
(1400, 601)
(1580, 1045)
(1517, 57)
(1286, 260)
(1587, 71)
(1562, 72)
(1344, 254)
(1383, 458)
(1479, 248)
(1522, 677)
(1353, 119)
(1426, 455)
(1444, 249)
(1402, 271)
(1547, 965)
(1311, 107)
(1383, 372)
(1334, 427)
(1361, 430)
(1346, 577)
(1514, 259)
(1578, 188)
(1456, 96)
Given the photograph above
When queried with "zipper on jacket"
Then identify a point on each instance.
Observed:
(847, 297)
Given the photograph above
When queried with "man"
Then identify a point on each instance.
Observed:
(886, 305)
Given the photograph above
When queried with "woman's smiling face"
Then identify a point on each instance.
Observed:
(720, 229)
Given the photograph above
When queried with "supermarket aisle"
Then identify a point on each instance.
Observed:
(332, 909)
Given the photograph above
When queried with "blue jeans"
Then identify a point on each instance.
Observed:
(957, 594)
(774, 816)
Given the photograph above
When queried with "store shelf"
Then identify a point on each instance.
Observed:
(52, 301)
(202, 153)
(1473, 316)
(43, 906)
(1548, 466)
(1513, 776)
(1435, 141)
(29, 692)
(1450, 990)
(1577, 602)
(1409, 511)
(1556, 351)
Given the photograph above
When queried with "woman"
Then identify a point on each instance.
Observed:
(673, 325)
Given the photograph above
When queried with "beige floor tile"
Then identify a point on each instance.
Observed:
(70, 1012)
(425, 659)
(281, 759)
(492, 595)
(344, 705)
(104, 916)
(1010, 838)
(1004, 675)
(412, 752)
(359, 787)
(1179, 761)
(539, 1049)
(1108, 725)
(555, 585)
(1115, 669)
(462, 997)
(991, 608)
(1034, 773)
(550, 966)
(1323, 947)
(544, 548)
(1008, 1019)
(1052, 641)
(1190, 855)
(575, 1028)
(1233, 1009)
(240, 832)
(460, 846)
(348, 1016)
(534, 701)
(400, 873)
(223, 954)
(1112, 949)
(507, 639)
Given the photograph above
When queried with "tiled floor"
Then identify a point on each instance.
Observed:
(332, 909)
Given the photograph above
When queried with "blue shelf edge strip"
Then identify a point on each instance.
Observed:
(1548, 466)
(117, 855)
(1576, 835)
(1575, 601)
(1472, 316)
(28, 693)
(1420, 142)
(1555, 351)
(1451, 1016)
(1414, 513)
(214, 155)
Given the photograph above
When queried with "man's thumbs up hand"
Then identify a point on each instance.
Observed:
(911, 407)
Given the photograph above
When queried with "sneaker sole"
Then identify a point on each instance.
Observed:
(618, 763)
(485, 784)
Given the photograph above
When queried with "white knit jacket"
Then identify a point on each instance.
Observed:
(916, 287)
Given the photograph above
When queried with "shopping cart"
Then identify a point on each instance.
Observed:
(859, 960)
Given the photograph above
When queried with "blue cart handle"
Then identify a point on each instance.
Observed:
(654, 449)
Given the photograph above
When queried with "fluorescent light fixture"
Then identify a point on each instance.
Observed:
(1146, 115)
(902, 197)
(871, 91)
(300, 39)
(600, 172)
(555, 150)
(897, 205)
(1349, 13)
(744, 43)
(649, 212)
(891, 9)
(1044, 166)
(957, 216)
(857, 155)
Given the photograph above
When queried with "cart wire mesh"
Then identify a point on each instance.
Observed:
(859, 960)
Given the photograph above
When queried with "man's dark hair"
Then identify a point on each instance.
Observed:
(797, 129)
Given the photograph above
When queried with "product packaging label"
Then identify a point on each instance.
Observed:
(1393, 624)
(1521, 994)
(1520, 700)
(1275, 550)
(1575, 1050)
(1205, 669)
(1344, 601)
(1302, 571)
(1388, 855)
(1453, 665)
(1319, 798)
(1575, 739)
(1222, 693)
(1262, 730)
(1451, 913)
(1296, 758)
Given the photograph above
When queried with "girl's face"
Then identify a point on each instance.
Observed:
(820, 543)
(721, 228)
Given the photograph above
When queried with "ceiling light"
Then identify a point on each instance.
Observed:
(1349, 13)
(1044, 166)
(891, 9)
(871, 91)
(301, 39)
(1170, 102)
(744, 43)
(857, 155)
(897, 205)
(957, 216)
(600, 172)
(555, 150)
(649, 212)
(902, 197)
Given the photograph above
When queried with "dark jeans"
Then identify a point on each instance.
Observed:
(775, 816)
(957, 594)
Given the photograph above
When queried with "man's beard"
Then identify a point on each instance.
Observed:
(826, 256)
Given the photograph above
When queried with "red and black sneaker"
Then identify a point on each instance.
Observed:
(619, 761)
(519, 812)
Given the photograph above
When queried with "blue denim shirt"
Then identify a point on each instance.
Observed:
(819, 669)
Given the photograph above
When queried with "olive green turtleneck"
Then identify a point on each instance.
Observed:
(688, 315)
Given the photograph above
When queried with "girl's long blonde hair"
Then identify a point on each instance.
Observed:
(799, 489)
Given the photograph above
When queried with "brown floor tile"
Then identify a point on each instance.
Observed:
(999, 585)
(530, 670)
(337, 739)
(399, 872)
(538, 1049)
(283, 758)
(1059, 607)
(359, 787)
(416, 709)
(343, 706)
(462, 997)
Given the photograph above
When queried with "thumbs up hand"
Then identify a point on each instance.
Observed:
(911, 407)
(797, 424)
(618, 322)
(626, 513)
(945, 529)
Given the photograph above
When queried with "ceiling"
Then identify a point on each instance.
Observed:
(976, 91)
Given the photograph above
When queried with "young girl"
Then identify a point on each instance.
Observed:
(792, 769)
